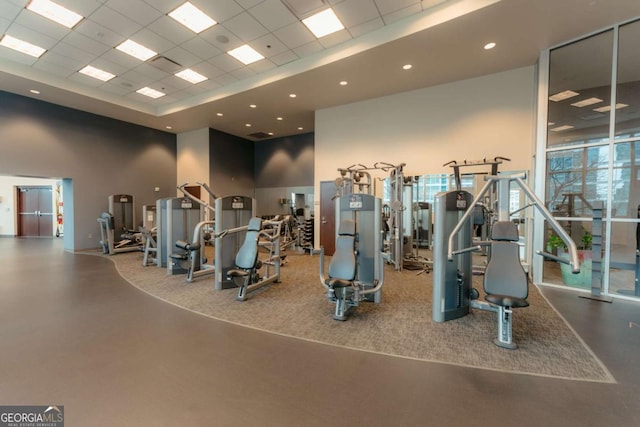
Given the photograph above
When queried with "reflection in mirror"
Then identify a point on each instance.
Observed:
(628, 87)
(580, 91)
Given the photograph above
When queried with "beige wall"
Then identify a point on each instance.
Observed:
(472, 119)
(193, 157)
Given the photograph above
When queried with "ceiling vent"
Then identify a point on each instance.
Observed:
(259, 135)
(304, 8)
(165, 64)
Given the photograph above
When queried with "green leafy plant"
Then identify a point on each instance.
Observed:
(587, 240)
(555, 242)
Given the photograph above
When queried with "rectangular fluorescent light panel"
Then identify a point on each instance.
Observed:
(192, 18)
(55, 12)
(136, 50)
(245, 54)
(97, 73)
(191, 76)
(323, 23)
(586, 102)
(561, 128)
(561, 96)
(151, 93)
(22, 46)
(607, 108)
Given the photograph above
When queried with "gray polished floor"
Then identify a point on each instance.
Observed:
(73, 333)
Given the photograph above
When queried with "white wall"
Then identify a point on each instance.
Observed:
(193, 157)
(472, 119)
(8, 202)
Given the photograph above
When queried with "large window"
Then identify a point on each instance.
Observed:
(587, 160)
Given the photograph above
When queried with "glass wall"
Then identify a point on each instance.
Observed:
(592, 151)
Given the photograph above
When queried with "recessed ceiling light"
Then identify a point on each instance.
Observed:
(323, 23)
(586, 102)
(270, 133)
(561, 128)
(489, 46)
(248, 125)
(278, 118)
(191, 76)
(55, 12)
(192, 18)
(22, 46)
(292, 95)
(252, 106)
(168, 127)
(407, 67)
(245, 54)
(219, 114)
(151, 93)
(561, 96)
(608, 108)
(136, 50)
(36, 92)
(97, 73)
(344, 83)
(300, 128)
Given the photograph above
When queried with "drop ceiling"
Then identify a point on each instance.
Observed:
(442, 39)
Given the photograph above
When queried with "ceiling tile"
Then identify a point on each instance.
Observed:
(40, 24)
(9, 10)
(220, 11)
(108, 66)
(247, 4)
(388, 6)
(171, 30)
(54, 69)
(73, 53)
(86, 44)
(208, 70)
(243, 73)
(173, 84)
(221, 37)
(226, 79)
(31, 36)
(115, 88)
(14, 56)
(245, 27)
(121, 58)
(85, 80)
(150, 73)
(356, 12)
(426, 4)
(127, 86)
(273, 14)
(138, 78)
(269, 45)
(367, 27)
(98, 33)
(308, 49)
(262, 66)
(335, 39)
(226, 62)
(83, 7)
(152, 40)
(402, 13)
(165, 6)
(201, 48)
(115, 21)
(4, 24)
(294, 35)
(136, 10)
(182, 56)
(284, 58)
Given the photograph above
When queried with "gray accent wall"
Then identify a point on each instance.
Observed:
(283, 166)
(96, 156)
(231, 163)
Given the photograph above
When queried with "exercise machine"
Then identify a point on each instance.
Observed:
(177, 217)
(232, 215)
(248, 265)
(356, 270)
(505, 281)
(117, 234)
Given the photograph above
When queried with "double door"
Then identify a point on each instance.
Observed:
(35, 211)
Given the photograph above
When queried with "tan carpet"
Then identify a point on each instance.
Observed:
(401, 325)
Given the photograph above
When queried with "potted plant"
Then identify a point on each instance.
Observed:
(582, 279)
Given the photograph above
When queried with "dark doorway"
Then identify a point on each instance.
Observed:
(328, 216)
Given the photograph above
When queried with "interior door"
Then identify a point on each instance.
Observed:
(328, 216)
(35, 211)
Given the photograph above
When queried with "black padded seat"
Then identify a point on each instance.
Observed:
(340, 283)
(507, 301)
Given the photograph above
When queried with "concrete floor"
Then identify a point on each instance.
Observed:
(74, 333)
